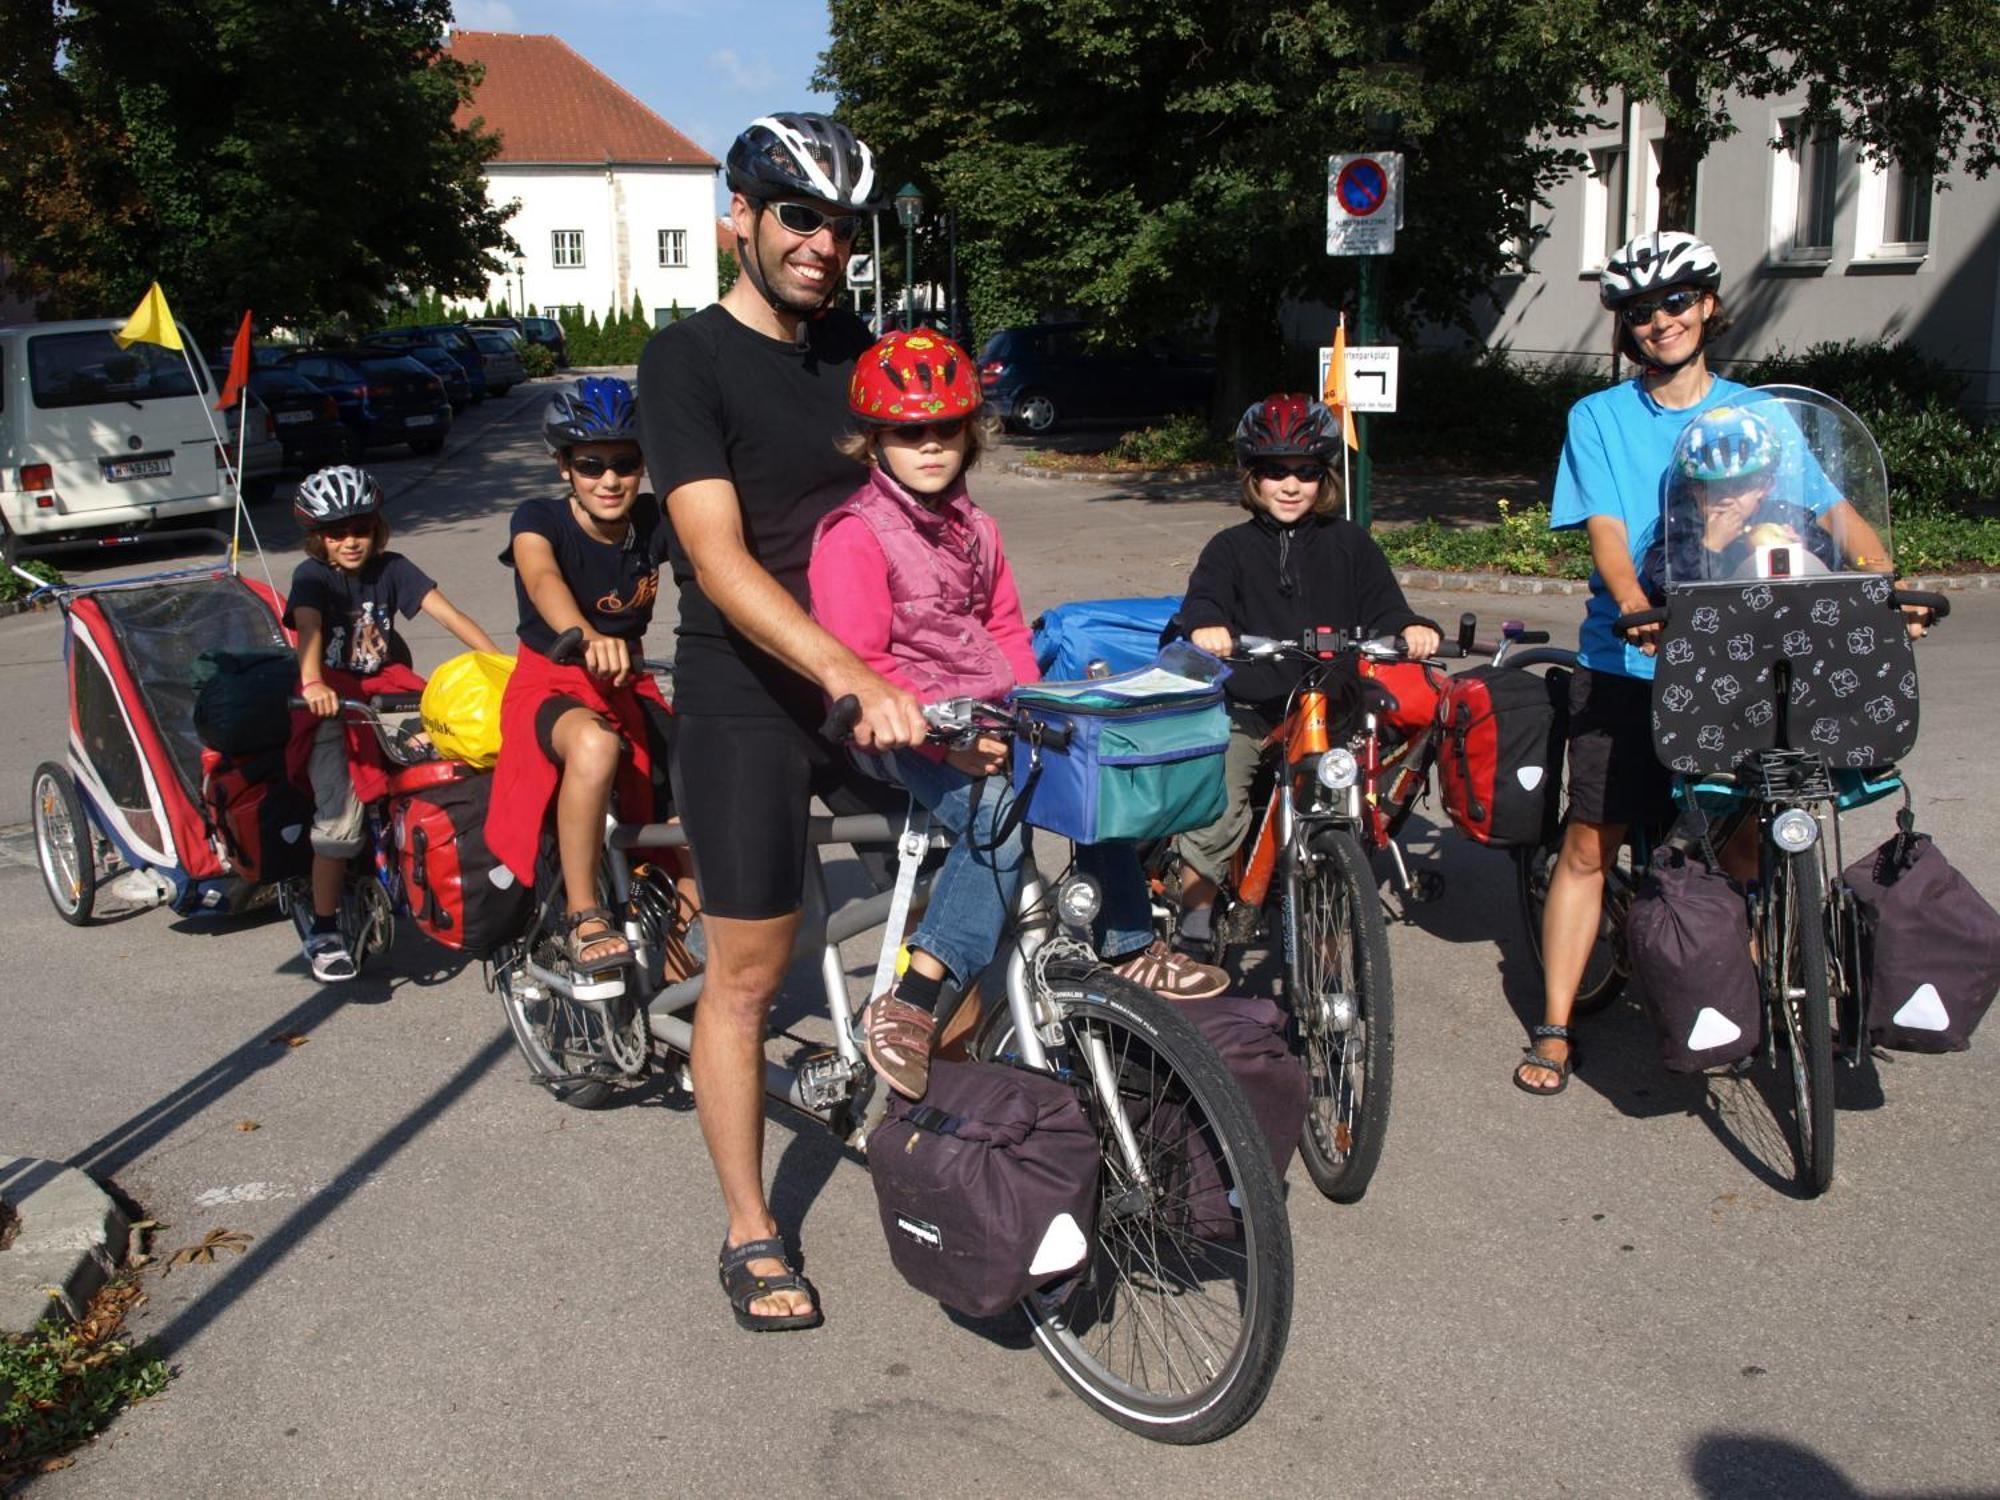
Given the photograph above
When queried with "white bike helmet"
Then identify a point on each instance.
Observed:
(1653, 262)
(336, 494)
(803, 156)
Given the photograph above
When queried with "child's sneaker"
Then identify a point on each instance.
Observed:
(330, 960)
(897, 1038)
(1169, 972)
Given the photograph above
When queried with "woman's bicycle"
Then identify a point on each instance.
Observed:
(1173, 1329)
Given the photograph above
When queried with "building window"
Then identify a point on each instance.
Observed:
(1603, 206)
(1906, 219)
(673, 247)
(662, 316)
(566, 248)
(1815, 180)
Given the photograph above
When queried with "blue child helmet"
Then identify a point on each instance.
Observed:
(598, 409)
(1727, 442)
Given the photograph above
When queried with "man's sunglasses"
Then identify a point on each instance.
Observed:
(806, 221)
(589, 466)
(1304, 473)
(1674, 303)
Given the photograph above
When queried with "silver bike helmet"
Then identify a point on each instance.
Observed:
(332, 495)
(1653, 262)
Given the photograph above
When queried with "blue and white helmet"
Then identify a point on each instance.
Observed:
(599, 409)
(332, 495)
(1653, 262)
(1727, 443)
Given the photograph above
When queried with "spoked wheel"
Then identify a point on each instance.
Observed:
(65, 844)
(1175, 1327)
(1342, 1004)
(579, 1051)
(1607, 968)
(1796, 987)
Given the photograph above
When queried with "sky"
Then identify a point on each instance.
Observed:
(708, 67)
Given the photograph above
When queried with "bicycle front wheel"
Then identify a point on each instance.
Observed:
(1604, 972)
(1342, 1004)
(1175, 1326)
(1796, 987)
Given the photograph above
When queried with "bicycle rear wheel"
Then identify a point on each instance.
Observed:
(1797, 989)
(1605, 971)
(1338, 988)
(1175, 1327)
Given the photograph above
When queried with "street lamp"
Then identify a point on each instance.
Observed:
(521, 285)
(909, 209)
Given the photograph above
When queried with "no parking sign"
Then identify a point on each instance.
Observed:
(1364, 203)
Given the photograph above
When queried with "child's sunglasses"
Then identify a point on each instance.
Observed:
(806, 221)
(1304, 473)
(589, 466)
(1676, 302)
(340, 531)
(944, 432)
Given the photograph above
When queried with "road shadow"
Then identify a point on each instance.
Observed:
(1729, 1465)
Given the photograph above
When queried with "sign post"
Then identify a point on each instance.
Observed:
(1364, 209)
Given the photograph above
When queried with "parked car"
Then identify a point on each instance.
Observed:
(1045, 373)
(549, 334)
(383, 398)
(441, 363)
(95, 436)
(306, 417)
(454, 338)
(503, 365)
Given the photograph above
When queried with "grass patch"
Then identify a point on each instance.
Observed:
(62, 1384)
(1519, 543)
(1935, 543)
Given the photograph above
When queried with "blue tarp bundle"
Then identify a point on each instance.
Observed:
(1122, 633)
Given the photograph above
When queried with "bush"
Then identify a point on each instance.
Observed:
(1519, 543)
(537, 360)
(14, 586)
(1177, 442)
(1483, 409)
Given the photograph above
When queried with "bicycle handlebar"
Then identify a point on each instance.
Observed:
(951, 718)
(1936, 605)
(566, 650)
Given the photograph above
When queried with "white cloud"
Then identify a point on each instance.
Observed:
(483, 15)
(755, 77)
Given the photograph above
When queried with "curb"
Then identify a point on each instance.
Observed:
(71, 1239)
(1026, 470)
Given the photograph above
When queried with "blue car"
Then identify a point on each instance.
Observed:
(453, 338)
(382, 398)
(1036, 376)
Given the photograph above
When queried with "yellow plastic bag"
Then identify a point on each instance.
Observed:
(461, 706)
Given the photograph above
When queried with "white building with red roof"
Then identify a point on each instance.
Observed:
(614, 201)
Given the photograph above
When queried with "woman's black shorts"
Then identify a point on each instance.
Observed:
(1614, 776)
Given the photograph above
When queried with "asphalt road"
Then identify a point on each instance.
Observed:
(456, 1287)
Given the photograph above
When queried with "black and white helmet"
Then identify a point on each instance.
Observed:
(1653, 262)
(803, 156)
(336, 494)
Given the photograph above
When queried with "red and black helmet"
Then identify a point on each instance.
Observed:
(1286, 427)
(913, 377)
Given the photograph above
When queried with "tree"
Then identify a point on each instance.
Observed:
(1164, 165)
(298, 157)
(1913, 81)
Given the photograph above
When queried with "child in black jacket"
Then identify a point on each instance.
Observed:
(1293, 566)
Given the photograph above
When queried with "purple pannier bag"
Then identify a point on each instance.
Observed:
(1931, 943)
(988, 1187)
(1689, 939)
(1249, 1036)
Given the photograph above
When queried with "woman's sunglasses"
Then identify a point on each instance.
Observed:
(1304, 473)
(1674, 303)
(806, 221)
(588, 466)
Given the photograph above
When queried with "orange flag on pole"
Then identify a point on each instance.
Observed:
(239, 367)
(1335, 394)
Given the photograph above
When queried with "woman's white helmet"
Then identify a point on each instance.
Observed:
(1656, 261)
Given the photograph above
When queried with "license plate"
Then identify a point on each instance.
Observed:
(287, 418)
(139, 468)
(424, 421)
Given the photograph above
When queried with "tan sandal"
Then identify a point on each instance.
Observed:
(578, 945)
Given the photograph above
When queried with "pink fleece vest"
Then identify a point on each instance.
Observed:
(942, 566)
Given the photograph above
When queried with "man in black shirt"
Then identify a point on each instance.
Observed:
(739, 409)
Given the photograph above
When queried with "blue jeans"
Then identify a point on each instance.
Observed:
(974, 891)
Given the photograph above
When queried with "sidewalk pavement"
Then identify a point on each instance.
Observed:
(70, 1238)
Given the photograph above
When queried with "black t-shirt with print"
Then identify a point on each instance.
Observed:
(720, 401)
(358, 610)
(614, 583)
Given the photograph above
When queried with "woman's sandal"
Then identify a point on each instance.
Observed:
(1561, 1067)
(897, 1037)
(576, 943)
(743, 1287)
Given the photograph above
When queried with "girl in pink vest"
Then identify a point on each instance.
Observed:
(910, 575)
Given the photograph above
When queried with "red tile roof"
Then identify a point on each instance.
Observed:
(548, 105)
(725, 237)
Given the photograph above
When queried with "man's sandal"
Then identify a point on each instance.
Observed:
(608, 943)
(743, 1287)
(1561, 1068)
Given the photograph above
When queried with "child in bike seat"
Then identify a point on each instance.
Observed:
(344, 602)
(911, 576)
(573, 732)
(1295, 565)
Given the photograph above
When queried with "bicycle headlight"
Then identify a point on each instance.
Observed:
(1794, 830)
(1338, 769)
(1078, 900)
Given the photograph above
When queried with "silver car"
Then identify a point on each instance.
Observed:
(503, 365)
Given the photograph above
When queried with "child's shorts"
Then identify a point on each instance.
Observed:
(337, 812)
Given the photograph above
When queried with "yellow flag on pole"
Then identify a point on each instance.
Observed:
(150, 323)
(1335, 394)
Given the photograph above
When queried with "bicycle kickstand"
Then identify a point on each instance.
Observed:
(1424, 885)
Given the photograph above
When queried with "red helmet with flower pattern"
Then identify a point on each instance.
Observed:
(912, 377)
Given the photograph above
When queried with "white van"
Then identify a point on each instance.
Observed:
(95, 436)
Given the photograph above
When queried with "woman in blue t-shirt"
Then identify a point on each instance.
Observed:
(1663, 293)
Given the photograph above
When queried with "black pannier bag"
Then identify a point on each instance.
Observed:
(240, 705)
(988, 1187)
(1689, 940)
(1930, 944)
(1248, 1034)
(1500, 763)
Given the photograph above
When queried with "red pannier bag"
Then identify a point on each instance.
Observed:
(1416, 695)
(1501, 762)
(262, 821)
(458, 892)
